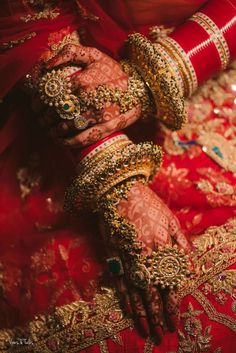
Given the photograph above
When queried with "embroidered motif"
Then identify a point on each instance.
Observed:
(72, 327)
(13, 43)
(211, 128)
(58, 40)
(218, 189)
(221, 150)
(47, 13)
(157, 32)
(212, 313)
(84, 13)
(194, 338)
(222, 287)
(214, 252)
(28, 177)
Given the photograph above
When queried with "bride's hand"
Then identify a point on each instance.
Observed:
(98, 69)
(156, 310)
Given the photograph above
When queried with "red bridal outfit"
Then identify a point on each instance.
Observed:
(55, 294)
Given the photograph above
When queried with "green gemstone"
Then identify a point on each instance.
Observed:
(114, 266)
(66, 106)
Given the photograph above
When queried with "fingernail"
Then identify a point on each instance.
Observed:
(143, 323)
(128, 307)
(158, 334)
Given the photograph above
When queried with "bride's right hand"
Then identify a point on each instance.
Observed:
(97, 69)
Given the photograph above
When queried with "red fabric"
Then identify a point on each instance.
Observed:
(47, 257)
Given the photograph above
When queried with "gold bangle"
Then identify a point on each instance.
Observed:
(116, 165)
(185, 64)
(161, 79)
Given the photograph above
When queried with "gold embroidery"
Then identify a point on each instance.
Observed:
(47, 13)
(28, 177)
(222, 287)
(42, 261)
(103, 347)
(85, 14)
(214, 251)
(72, 327)
(57, 45)
(221, 150)
(212, 313)
(211, 125)
(13, 43)
(149, 346)
(218, 189)
(194, 338)
(157, 32)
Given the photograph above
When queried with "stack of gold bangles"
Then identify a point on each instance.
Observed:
(166, 81)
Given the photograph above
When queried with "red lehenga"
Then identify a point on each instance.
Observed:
(55, 295)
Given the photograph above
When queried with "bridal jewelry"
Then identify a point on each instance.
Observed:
(55, 91)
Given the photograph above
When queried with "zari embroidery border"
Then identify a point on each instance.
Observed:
(212, 313)
(103, 347)
(71, 328)
(216, 246)
(149, 346)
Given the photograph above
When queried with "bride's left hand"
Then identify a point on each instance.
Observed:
(155, 309)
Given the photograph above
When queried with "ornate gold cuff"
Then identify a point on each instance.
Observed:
(160, 77)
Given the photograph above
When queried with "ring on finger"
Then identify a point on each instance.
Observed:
(80, 122)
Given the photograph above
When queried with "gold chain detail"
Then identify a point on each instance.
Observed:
(136, 94)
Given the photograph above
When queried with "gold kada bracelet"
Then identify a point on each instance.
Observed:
(161, 78)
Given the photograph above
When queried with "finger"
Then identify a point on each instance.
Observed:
(171, 308)
(178, 235)
(154, 305)
(49, 118)
(76, 54)
(102, 130)
(139, 311)
(122, 289)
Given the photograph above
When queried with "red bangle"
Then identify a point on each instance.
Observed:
(207, 39)
(92, 147)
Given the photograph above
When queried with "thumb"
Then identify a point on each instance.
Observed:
(75, 54)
